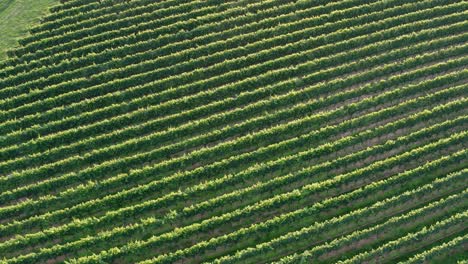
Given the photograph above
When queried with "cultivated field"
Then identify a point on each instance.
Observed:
(237, 131)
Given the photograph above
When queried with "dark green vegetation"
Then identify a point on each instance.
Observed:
(184, 131)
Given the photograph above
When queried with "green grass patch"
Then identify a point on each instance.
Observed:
(16, 17)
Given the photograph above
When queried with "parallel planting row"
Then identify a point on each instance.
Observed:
(237, 132)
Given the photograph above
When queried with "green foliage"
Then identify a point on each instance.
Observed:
(236, 132)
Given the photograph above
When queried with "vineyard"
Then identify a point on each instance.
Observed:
(237, 131)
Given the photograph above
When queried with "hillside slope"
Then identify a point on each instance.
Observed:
(16, 17)
(250, 131)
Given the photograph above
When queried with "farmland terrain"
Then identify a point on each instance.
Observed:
(237, 131)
